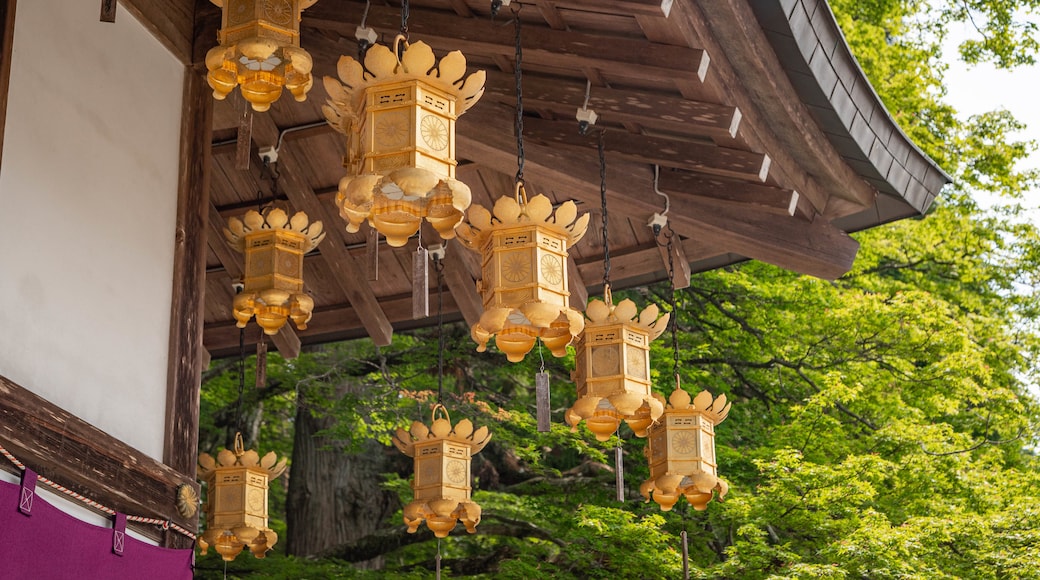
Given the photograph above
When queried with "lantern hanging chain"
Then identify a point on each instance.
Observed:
(241, 378)
(603, 208)
(669, 235)
(364, 15)
(438, 266)
(519, 97)
(404, 19)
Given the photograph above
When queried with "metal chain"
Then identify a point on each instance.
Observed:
(241, 377)
(603, 208)
(438, 266)
(404, 18)
(519, 98)
(670, 235)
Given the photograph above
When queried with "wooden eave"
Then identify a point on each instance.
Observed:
(770, 141)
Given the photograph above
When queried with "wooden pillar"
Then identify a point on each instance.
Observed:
(6, 48)
(189, 278)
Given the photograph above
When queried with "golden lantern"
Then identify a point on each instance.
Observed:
(399, 120)
(612, 368)
(442, 473)
(236, 500)
(681, 451)
(274, 245)
(260, 51)
(524, 275)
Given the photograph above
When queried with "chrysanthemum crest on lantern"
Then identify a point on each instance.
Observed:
(442, 472)
(274, 245)
(399, 119)
(236, 500)
(260, 51)
(524, 277)
(681, 451)
(612, 367)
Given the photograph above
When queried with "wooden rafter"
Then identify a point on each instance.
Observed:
(635, 58)
(652, 110)
(816, 248)
(701, 157)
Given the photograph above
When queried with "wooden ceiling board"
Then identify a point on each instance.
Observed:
(668, 93)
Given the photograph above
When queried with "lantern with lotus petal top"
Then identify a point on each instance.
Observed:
(524, 273)
(612, 368)
(399, 120)
(260, 51)
(681, 451)
(442, 472)
(236, 500)
(274, 245)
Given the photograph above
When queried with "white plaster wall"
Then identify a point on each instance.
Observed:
(88, 192)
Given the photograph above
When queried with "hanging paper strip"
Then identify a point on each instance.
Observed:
(28, 546)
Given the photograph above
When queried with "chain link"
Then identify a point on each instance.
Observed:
(603, 208)
(669, 235)
(404, 19)
(519, 98)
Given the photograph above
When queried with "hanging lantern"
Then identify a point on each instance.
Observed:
(442, 473)
(274, 245)
(612, 368)
(399, 120)
(681, 451)
(236, 500)
(524, 280)
(260, 51)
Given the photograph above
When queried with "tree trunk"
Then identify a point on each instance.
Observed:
(334, 496)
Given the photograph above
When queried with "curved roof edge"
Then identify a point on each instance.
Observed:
(817, 60)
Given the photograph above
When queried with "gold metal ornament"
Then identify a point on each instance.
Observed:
(274, 245)
(236, 500)
(524, 274)
(681, 451)
(612, 368)
(187, 500)
(442, 472)
(260, 51)
(399, 120)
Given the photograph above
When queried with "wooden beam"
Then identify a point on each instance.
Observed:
(677, 262)
(642, 265)
(349, 275)
(698, 156)
(172, 22)
(657, 111)
(184, 373)
(738, 194)
(7, 10)
(816, 248)
(62, 447)
(461, 284)
(339, 323)
(576, 283)
(658, 8)
(635, 58)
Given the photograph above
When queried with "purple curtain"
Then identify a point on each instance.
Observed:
(37, 540)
